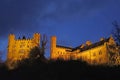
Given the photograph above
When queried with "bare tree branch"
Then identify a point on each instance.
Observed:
(116, 32)
(44, 41)
(1, 56)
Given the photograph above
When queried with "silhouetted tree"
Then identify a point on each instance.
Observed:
(1, 57)
(43, 44)
(39, 52)
(36, 54)
(116, 32)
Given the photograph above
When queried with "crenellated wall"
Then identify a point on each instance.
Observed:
(19, 49)
(92, 53)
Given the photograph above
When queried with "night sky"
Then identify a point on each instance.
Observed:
(72, 21)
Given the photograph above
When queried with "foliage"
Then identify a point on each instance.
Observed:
(116, 32)
(36, 54)
(1, 56)
(43, 44)
(61, 70)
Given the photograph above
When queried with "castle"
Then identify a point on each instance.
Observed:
(20, 48)
(104, 51)
(97, 53)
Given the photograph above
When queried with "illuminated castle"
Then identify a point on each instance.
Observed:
(104, 51)
(20, 48)
(96, 53)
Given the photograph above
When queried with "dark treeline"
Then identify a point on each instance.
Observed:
(60, 70)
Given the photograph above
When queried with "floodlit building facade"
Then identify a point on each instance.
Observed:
(92, 53)
(104, 51)
(20, 48)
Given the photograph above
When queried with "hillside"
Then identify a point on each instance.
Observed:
(60, 70)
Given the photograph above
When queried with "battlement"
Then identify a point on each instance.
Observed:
(23, 39)
(20, 48)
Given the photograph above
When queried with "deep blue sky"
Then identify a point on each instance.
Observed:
(72, 21)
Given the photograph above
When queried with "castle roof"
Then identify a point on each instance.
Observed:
(63, 47)
(86, 47)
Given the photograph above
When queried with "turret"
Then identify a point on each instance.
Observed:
(111, 41)
(88, 43)
(11, 39)
(36, 39)
(52, 46)
(102, 39)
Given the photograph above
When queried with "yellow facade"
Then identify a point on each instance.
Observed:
(19, 49)
(58, 52)
(96, 53)
(92, 53)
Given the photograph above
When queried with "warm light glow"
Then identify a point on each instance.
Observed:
(19, 49)
(96, 53)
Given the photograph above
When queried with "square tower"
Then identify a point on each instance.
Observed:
(19, 49)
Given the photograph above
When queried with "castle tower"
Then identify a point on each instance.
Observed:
(11, 41)
(36, 39)
(20, 48)
(52, 47)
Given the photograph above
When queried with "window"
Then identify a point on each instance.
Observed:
(100, 59)
(28, 46)
(100, 52)
(27, 50)
(94, 61)
(14, 46)
(22, 45)
(21, 51)
(94, 54)
(22, 42)
(20, 56)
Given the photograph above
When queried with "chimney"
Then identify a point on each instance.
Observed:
(82, 45)
(101, 39)
(88, 43)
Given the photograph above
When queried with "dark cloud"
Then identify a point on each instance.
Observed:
(32, 15)
(68, 7)
(18, 14)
